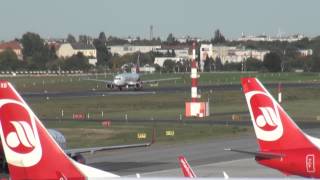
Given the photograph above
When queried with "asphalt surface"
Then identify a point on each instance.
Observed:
(208, 159)
(149, 90)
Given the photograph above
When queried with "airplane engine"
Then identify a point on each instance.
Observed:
(138, 86)
(110, 86)
(79, 158)
(61, 140)
(58, 137)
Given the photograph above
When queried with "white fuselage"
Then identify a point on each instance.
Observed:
(126, 80)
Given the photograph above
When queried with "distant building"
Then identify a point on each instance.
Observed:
(290, 38)
(126, 49)
(144, 69)
(70, 49)
(229, 54)
(305, 52)
(15, 46)
(179, 52)
(188, 39)
(93, 61)
(161, 60)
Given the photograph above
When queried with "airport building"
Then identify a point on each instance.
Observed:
(126, 49)
(230, 54)
(15, 46)
(290, 38)
(70, 49)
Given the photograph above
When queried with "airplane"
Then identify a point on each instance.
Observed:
(30, 150)
(282, 144)
(130, 80)
(186, 168)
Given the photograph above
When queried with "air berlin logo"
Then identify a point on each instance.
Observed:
(23, 135)
(265, 116)
(18, 130)
(268, 117)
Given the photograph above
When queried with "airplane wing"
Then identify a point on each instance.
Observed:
(158, 80)
(265, 155)
(92, 150)
(100, 80)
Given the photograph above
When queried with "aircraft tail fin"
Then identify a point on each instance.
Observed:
(185, 167)
(29, 149)
(274, 129)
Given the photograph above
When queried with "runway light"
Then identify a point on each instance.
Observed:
(141, 135)
(170, 133)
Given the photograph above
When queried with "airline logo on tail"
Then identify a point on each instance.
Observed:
(19, 133)
(267, 121)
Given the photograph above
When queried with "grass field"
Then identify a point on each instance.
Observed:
(89, 134)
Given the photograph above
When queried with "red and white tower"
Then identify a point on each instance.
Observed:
(195, 108)
(194, 76)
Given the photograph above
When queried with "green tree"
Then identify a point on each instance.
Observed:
(218, 37)
(76, 62)
(35, 52)
(171, 39)
(9, 61)
(315, 63)
(218, 64)
(168, 65)
(208, 64)
(102, 51)
(232, 66)
(253, 64)
(32, 44)
(272, 62)
(102, 37)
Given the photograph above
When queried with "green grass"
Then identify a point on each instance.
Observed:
(89, 134)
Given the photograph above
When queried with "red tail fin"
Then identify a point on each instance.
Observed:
(274, 129)
(30, 151)
(185, 167)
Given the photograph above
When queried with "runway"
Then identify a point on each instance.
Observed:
(171, 89)
(207, 158)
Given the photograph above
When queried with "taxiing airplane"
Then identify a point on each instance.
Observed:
(30, 150)
(130, 80)
(282, 144)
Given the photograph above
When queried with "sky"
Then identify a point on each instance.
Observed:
(123, 18)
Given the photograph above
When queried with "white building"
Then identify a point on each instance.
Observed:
(290, 38)
(68, 50)
(145, 69)
(229, 53)
(238, 55)
(125, 49)
(305, 52)
(181, 53)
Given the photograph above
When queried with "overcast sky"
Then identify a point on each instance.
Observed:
(57, 18)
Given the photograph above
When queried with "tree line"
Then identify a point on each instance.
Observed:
(38, 55)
